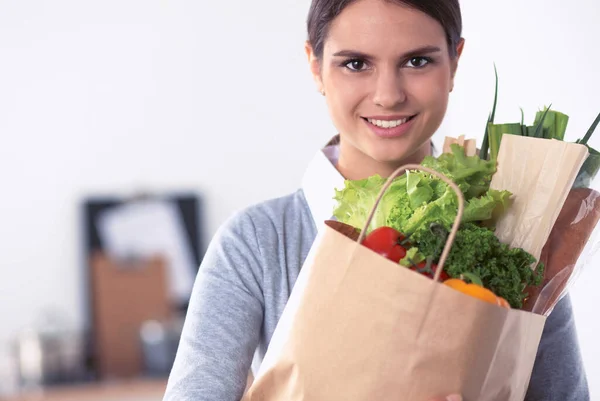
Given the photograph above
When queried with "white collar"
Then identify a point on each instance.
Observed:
(320, 181)
(322, 178)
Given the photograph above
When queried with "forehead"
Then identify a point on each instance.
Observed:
(376, 26)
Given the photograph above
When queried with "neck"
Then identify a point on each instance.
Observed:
(355, 165)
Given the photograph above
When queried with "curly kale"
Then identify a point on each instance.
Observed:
(504, 270)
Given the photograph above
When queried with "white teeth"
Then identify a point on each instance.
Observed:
(387, 123)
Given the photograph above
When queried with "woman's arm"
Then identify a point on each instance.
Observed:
(558, 373)
(224, 319)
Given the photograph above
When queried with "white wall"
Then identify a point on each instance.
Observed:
(113, 96)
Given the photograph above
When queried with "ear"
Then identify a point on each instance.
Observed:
(315, 67)
(454, 62)
(459, 49)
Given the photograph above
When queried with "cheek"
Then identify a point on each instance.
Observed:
(432, 93)
(344, 94)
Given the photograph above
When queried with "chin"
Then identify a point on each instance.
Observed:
(389, 157)
(391, 153)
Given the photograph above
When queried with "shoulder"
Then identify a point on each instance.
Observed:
(266, 229)
(266, 236)
(254, 238)
(276, 208)
(271, 215)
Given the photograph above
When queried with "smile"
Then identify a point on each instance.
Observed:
(388, 123)
(390, 127)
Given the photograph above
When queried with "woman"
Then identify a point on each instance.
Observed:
(386, 69)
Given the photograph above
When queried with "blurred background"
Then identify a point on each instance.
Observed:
(130, 130)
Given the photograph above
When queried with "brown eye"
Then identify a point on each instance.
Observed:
(417, 62)
(356, 65)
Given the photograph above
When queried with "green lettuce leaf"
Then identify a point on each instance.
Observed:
(441, 210)
(417, 199)
(465, 171)
(486, 207)
(418, 189)
(356, 199)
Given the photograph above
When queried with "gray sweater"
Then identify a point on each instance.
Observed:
(244, 283)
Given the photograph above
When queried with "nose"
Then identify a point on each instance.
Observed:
(389, 89)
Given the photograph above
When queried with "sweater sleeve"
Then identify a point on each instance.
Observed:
(224, 319)
(558, 373)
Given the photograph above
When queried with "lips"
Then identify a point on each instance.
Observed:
(388, 122)
(389, 126)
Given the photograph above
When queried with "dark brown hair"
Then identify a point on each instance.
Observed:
(322, 12)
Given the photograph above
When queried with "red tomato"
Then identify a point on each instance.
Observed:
(429, 272)
(386, 241)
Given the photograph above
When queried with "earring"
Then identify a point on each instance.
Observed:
(323, 92)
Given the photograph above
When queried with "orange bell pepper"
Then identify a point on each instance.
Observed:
(477, 290)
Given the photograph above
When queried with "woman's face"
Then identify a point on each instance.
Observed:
(387, 74)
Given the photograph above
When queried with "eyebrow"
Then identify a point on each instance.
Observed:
(414, 52)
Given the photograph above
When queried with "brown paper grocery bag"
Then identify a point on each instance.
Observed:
(359, 327)
(548, 218)
(540, 174)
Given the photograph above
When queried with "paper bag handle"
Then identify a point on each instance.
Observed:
(455, 226)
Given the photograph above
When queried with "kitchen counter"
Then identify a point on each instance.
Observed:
(134, 390)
